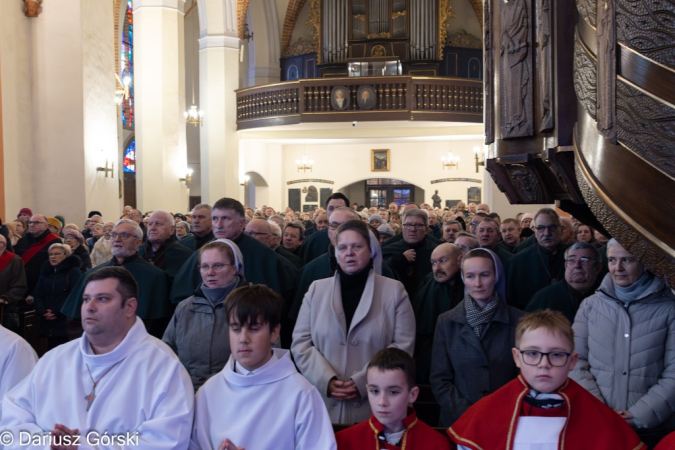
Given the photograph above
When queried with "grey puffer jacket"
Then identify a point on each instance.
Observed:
(627, 352)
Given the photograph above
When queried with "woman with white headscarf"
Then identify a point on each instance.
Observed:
(345, 319)
(198, 332)
(471, 354)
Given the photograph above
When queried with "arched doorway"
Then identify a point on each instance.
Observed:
(382, 191)
(255, 190)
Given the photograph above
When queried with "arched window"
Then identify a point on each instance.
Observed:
(127, 68)
(129, 161)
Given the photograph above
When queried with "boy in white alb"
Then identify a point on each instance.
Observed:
(543, 409)
(259, 400)
(115, 387)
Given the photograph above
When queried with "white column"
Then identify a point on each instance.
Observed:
(218, 79)
(159, 78)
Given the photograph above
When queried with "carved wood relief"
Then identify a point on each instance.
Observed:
(526, 181)
(586, 10)
(516, 83)
(606, 73)
(647, 127)
(648, 28)
(585, 82)
(488, 73)
(649, 254)
(545, 64)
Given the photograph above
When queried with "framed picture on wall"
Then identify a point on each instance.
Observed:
(379, 160)
(339, 98)
(365, 97)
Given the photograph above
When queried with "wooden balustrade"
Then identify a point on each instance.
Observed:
(395, 98)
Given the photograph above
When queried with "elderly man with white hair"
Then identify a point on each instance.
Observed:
(162, 248)
(154, 307)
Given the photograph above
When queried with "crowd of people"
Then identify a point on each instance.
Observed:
(229, 327)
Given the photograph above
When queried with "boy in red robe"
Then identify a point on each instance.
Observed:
(393, 425)
(543, 409)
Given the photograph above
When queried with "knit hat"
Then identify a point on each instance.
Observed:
(53, 221)
(25, 211)
(62, 220)
(375, 217)
(74, 233)
(385, 230)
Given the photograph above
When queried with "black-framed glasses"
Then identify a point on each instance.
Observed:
(583, 260)
(416, 226)
(534, 357)
(543, 228)
(123, 236)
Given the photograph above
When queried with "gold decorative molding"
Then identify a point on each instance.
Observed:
(360, 16)
(444, 15)
(464, 39)
(314, 23)
(382, 35)
(32, 8)
(242, 7)
(477, 6)
(300, 47)
(397, 14)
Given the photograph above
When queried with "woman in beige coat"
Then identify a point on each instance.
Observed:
(344, 320)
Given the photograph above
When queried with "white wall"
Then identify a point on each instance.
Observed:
(465, 18)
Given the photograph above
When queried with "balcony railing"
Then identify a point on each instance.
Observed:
(396, 98)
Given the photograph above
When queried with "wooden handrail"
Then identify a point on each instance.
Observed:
(396, 98)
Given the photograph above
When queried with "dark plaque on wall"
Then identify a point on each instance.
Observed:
(294, 196)
(515, 75)
(473, 195)
(308, 208)
(325, 193)
(312, 194)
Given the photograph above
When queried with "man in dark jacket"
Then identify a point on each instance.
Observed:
(317, 243)
(162, 249)
(12, 285)
(33, 247)
(582, 266)
(201, 230)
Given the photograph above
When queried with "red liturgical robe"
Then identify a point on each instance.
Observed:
(491, 423)
(369, 435)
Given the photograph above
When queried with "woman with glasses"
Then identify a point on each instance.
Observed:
(471, 354)
(625, 337)
(76, 242)
(58, 276)
(347, 318)
(198, 332)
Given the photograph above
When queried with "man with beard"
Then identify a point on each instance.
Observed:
(510, 230)
(153, 283)
(201, 230)
(538, 265)
(582, 266)
(439, 292)
(450, 230)
(410, 257)
(162, 248)
(488, 236)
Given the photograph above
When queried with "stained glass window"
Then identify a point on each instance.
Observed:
(127, 67)
(130, 158)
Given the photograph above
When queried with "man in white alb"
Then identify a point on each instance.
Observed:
(17, 359)
(116, 386)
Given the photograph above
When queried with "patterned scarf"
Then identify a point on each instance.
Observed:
(478, 318)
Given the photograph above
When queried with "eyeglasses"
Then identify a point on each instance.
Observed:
(35, 222)
(255, 233)
(416, 226)
(466, 248)
(474, 224)
(533, 357)
(133, 215)
(334, 225)
(583, 260)
(56, 254)
(216, 267)
(122, 236)
(543, 228)
(68, 238)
